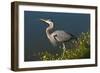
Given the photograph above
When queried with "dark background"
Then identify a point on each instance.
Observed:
(35, 36)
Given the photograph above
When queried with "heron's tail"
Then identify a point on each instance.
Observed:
(73, 37)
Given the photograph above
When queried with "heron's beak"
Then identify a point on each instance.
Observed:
(43, 20)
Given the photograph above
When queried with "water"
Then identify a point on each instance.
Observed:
(35, 36)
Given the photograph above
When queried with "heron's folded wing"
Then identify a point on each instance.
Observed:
(61, 36)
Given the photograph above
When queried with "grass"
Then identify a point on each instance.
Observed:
(80, 50)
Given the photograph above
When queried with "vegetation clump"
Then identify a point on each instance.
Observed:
(80, 50)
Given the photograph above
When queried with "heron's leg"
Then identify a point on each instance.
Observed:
(64, 49)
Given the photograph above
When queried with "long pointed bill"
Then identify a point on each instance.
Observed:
(43, 20)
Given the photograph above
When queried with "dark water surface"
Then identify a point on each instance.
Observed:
(35, 36)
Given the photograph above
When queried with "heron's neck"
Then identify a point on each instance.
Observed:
(48, 30)
(48, 33)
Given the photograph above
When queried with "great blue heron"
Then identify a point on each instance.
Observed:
(58, 36)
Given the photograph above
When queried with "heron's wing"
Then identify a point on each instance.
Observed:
(61, 36)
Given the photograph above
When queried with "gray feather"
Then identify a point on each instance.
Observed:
(61, 36)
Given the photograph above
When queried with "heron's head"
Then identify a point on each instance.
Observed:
(48, 21)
